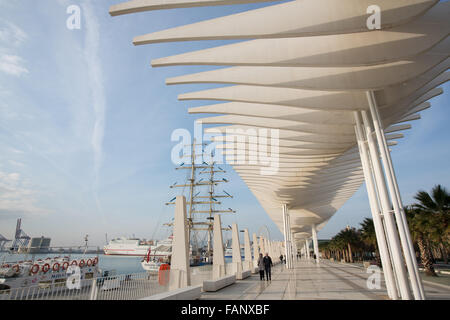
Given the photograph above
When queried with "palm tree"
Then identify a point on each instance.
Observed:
(324, 247)
(349, 237)
(419, 223)
(369, 237)
(437, 205)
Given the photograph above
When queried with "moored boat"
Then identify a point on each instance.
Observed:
(50, 273)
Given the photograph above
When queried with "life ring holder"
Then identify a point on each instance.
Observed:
(56, 267)
(45, 268)
(33, 270)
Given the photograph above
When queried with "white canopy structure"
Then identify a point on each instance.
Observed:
(338, 95)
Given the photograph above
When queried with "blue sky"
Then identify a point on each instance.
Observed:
(85, 127)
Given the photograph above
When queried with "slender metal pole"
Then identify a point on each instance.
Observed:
(291, 262)
(375, 209)
(289, 234)
(284, 208)
(391, 229)
(405, 237)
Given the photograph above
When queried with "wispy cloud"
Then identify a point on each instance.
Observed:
(10, 34)
(12, 65)
(92, 56)
(11, 37)
(17, 198)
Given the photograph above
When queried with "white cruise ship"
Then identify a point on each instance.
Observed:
(127, 247)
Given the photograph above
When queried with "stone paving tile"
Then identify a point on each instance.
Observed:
(308, 281)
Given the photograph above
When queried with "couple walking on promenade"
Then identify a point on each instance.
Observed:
(265, 266)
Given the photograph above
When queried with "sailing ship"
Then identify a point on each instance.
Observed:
(202, 205)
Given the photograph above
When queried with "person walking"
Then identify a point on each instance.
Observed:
(281, 259)
(267, 261)
(261, 266)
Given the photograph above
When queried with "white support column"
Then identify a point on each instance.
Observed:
(280, 252)
(218, 254)
(292, 249)
(289, 232)
(261, 245)
(247, 251)
(285, 229)
(255, 251)
(405, 237)
(296, 250)
(315, 242)
(373, 201)
(236, 247)
(180, 273)
(391, 229)
(308, 255)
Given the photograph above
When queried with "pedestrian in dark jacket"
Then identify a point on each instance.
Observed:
(281, 259)
(261, 266)
(268, 267)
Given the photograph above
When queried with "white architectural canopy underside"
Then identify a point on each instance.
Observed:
(303, 68)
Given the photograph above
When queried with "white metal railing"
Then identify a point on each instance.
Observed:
(117, 287)
(120, 287)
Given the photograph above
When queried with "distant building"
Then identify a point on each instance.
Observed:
(38, 245)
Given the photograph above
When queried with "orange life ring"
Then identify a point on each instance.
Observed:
(74, 263)
(65, 265)
(89, 262)
(5, 266)
(95, 261)
(16, 268)
(45, 268)
(56, 266)
(82, 263)
(35, 269)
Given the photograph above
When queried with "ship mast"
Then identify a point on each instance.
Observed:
(195, 221)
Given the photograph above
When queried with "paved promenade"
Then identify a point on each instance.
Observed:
(308, 281)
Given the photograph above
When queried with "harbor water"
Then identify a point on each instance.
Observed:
(120, 264)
